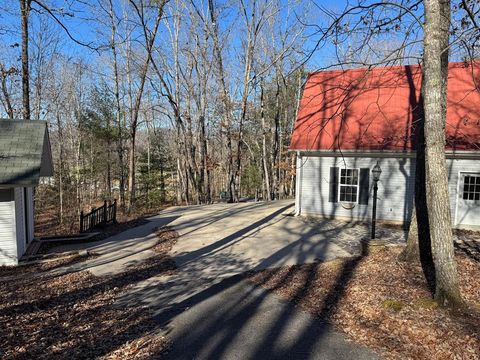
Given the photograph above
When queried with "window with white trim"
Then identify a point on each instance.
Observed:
(471, 187)
(348, 185)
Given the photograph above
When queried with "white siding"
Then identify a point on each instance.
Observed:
(456, 166)
(20, 220)
(8, 244)
(395, 188)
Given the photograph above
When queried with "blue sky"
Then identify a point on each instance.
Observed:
(83, 28)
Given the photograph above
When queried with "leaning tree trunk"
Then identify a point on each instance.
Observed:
(419, 242)
(6, 94)
(437, 20)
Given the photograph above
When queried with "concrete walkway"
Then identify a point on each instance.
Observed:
(118, 252)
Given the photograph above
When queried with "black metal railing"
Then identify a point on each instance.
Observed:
(97, 217)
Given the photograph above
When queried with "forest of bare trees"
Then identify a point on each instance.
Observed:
(169, 101)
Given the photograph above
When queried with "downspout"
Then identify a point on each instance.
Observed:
(298, 187)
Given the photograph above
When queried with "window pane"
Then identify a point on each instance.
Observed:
(348, 193)
(355, 177)
(349, 177)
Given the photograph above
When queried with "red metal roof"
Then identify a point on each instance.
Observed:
(377, 109)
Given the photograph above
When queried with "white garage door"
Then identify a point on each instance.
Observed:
(468, 201)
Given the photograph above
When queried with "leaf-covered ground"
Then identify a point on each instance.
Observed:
(47, 221)
(43, 316)
(384, 304)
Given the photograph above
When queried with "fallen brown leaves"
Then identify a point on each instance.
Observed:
(41, 266)
(384, 304)
(47, 221)
(166, 238)
(74, 316)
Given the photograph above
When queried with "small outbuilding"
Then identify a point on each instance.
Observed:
(25, 156)
(348, 120)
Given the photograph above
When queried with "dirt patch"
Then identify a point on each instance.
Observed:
(74, 316)
(384, 304)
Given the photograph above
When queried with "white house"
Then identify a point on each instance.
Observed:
(348, 120)
(25, 156)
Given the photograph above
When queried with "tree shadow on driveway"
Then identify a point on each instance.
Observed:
(236, 319)
(214, 315)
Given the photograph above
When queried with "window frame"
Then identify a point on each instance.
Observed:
(340, 184)
(474, 192)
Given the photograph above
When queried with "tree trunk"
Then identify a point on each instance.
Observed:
(411, 253)
(437, 20)
(25, 13)
(227, 123)
(60, 174)
(113, 44)
(251, 40)
(6, 95)
(202, 188)
(266, 172)
(276, 146)
(131, 170)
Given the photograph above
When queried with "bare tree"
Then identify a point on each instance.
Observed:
(225, 97)
(116, 77)
(437, 22)
(149, 38)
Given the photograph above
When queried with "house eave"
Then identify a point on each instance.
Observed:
(450, 154)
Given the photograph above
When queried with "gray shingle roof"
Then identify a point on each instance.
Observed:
(25, 153)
